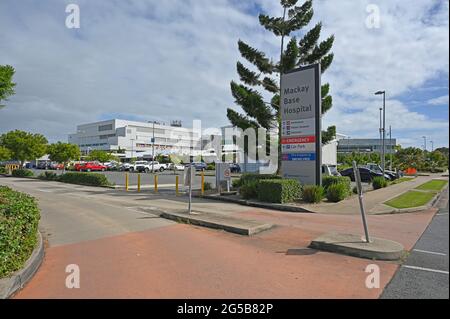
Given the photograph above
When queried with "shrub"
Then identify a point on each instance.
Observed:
(337, 192)
(248, 183)
(355, 190)
(2, 170)
(279, 190)
(379, 182)
(207, 186)
(22, 173)
(49, 176)
(330, 180)
(89, 179)
(211, 167)
(249, 190)
(313, 194)
(19, 218)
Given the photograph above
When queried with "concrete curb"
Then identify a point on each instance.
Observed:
(10, 285)
(353, 245)
(430, 204)
(280, 207)
(215, 221)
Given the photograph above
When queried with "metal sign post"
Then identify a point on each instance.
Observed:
(227, 175)
(360, 197)
(188, 177)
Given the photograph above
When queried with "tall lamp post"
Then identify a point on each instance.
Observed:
(432, 146)
(391, 147)
(384, 130)
(424, 143)
(381, 130)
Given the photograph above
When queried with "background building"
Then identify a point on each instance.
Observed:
(360, 145)
(134, 139)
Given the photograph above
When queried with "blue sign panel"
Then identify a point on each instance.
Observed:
(299, 157)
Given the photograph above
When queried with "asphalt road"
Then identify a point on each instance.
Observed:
(425, 274)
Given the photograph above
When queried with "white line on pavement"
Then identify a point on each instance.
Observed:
(442, 214)
(429, 252)
(426, 269)
(45, 190)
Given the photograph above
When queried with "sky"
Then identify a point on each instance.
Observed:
(174, 60)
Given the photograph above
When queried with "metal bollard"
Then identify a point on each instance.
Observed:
(139, 183)
(176, 184)
(156, 183)
(126, 182)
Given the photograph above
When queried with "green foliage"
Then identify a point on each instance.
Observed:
(337, 192)
(23, 145)
(5, 154)
(2, 170)
(411, 199)
(305, 50)
(379, 182)
(249, 189)
(19, 218)
(49, 176)
(211, 167)
(355, 190)
(63, 152)
(100, 156)
(22, 173)
(207, 186)
(279, 190)
(89, 179)
(313, 193)
(327, 181)
(6, 82)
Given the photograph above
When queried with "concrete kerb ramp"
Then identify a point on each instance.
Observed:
(356, 246)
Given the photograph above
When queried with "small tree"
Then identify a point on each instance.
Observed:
(6, 83)
(23, 145)
(101, 156)
(5, 154)
(63, 152)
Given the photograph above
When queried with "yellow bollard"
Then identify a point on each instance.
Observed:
(139, 183)
(126, 182)
(203, 183)
(156, 183)
(176, 184)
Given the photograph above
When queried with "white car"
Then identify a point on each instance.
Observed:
(176, 167)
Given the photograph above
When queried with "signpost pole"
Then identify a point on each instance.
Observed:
(360, 197)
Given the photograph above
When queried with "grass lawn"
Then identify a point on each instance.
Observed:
(433, 185)
(401, 180)
(411, 199)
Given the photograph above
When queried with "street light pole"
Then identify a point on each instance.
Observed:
(432, 146)
(381, 130)
(383, 151)
(392, 148)
(424, 143)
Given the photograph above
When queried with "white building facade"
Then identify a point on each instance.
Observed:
(135, 139)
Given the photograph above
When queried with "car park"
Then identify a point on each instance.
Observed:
(235, 168)
(91, 167)
(366, 174)
(377, 168)
(330, 170)
(199, 166)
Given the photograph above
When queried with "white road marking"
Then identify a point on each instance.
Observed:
(426, 269)
(45, 190)
(442, 214)
(429, 252)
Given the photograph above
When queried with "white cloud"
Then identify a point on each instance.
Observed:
(442, 100)
(174, 59)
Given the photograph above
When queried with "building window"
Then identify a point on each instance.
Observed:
(107, 127)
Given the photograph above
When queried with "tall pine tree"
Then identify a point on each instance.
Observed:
(296, 53)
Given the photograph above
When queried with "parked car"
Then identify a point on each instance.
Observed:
(176, 167)
(199, 166)
(235, 168)
(56, 166)
(111, 166)
(125, 166)
(91, 167)
(144, 166)
(367, 175)
(377, 168)
(330, 170)
(43, 165)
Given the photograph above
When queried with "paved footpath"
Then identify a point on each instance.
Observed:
(125, 251)
(373, 200)
(425, 273)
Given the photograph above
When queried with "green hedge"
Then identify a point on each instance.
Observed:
(2, 170)
(337, 192)
(89, 179)
(379, 182)
(279, 190)
(49, 176)
(330, 180)
(248, 184)
(313, 193)
(22, 173)
(19, 218)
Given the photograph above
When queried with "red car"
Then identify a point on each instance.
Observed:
(90, 167)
